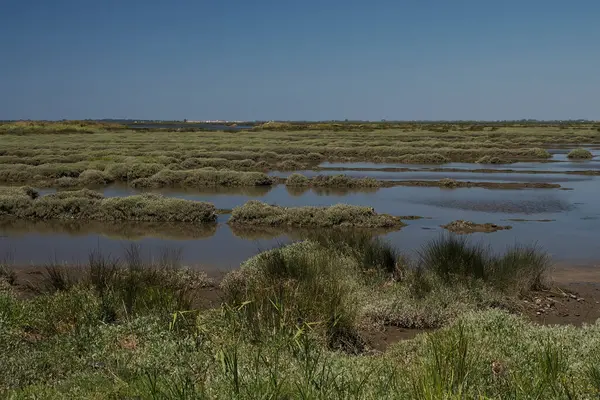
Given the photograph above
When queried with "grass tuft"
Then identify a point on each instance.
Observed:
(453, 259)
(296, 285)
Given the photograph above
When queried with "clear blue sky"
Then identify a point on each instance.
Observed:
(311, 59)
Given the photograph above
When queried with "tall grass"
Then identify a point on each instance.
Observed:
(371, 253)
(453, 258)
(295, 285)
(7, 274)
(130, 285)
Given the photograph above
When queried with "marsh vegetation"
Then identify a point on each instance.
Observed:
(60, 154)
(25, 203)
(303, 320)
(293, 322)
(256, 213)
(580, 154)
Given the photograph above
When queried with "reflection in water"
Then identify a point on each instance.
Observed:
(130, 230)
(573, 235)
(523, 166)
(431, 175)
(266, 232)
(297, 191)
(271, 232)
(548, 205)
(121, 190)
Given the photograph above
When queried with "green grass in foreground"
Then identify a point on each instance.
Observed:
(289, 327)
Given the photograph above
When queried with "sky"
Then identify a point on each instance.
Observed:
(300, 60)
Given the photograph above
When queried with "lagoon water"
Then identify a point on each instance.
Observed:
(569, 232)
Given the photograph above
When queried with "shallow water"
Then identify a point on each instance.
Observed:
(558, 166)
(561, 154)
(437, 175)
(571, 237)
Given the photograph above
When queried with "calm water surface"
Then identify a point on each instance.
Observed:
(572, 236)
(437, 175)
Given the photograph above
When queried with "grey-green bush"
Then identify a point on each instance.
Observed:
(340, 215)
(89, 205)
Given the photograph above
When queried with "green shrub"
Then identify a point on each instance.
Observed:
(194, 163)
(117, 171)
(579, 154)
(22, 191)
(340, 215)
(314, 157)
(491, 160)
(137, 171)
(204, 177)
(289, 165)
(93, 177)
(54, 171)
(297, 180)
(78, 194)
(89, 205)
(539, 153)
(67, 182)
(449, 183)
(343, 181)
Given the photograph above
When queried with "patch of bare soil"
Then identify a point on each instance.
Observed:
(574, 298)
(465, 227)
(573, 304)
